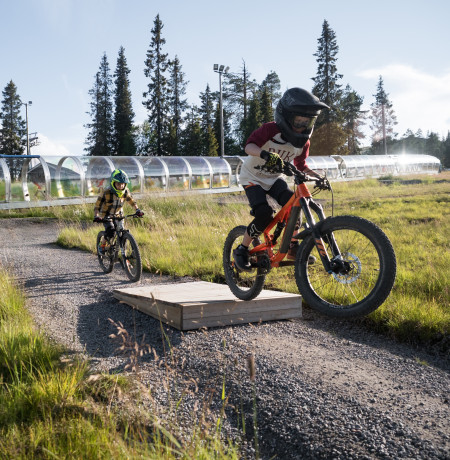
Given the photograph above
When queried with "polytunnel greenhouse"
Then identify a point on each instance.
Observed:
(31, 180)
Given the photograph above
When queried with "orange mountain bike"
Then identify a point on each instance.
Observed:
(355, 269)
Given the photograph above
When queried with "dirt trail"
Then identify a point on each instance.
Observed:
(326, 388)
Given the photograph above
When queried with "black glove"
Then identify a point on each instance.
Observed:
(273, 161)
(139, 213)
(97, 219)
(323, 183)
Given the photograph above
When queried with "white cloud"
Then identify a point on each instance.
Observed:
(47, 147)
(420, 100)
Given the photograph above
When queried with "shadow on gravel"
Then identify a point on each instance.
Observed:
(70, 283)
(95, 328)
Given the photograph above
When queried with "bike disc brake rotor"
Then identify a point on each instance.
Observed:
(353, 273)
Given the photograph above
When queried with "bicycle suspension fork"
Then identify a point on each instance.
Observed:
(307, 204)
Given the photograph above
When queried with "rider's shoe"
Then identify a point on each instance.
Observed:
(241, 261)
(292, 253)
(293, 248)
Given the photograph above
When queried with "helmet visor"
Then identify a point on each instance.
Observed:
(301, 122)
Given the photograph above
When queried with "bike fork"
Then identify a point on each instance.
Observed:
(318, 241)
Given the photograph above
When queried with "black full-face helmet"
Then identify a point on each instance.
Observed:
(297, 102)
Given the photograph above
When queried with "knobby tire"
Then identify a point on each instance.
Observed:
(132, 263)
(244, 285)
(367, 284)
(106, 260)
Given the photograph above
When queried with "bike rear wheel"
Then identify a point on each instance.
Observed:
(105, 260)
(244, 285)
(368, 269)
(132, 262)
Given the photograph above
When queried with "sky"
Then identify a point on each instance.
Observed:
(51, 50)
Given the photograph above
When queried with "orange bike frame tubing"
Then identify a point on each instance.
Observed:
(282, 215)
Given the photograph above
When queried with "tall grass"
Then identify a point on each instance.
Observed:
(184, 236)
(50, 407)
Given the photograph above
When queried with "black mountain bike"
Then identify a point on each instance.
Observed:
(121, 247)
(345, 266)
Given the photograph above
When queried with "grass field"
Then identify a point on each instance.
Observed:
(51, 407)
(185, 235)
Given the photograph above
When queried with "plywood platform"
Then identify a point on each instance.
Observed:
(199, 304)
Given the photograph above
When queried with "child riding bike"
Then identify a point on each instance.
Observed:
(110, 203)
(285, 139)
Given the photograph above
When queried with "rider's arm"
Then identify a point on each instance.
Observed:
(311, 172)
(253, 150)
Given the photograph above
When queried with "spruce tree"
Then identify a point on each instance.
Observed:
(157, 95)
(13, 127)
(192, 137)
(177, 104)
(254, 119)
(266, 105)
(124, 141)
(237, 94)
(353, 120)
(272, 85)
(329, 136)
(446, 151)
(145, 139)
(383, 120)
(210, 138)
(100, 139)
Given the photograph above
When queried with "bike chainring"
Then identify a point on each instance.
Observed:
(263, 263)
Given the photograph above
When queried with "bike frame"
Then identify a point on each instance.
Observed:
(119, 234)
(287, 218)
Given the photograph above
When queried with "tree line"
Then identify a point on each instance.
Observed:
(175, 127)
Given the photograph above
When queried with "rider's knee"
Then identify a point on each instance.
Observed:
(109, 232)
(263, 215)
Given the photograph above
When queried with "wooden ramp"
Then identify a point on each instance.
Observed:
(199, 304)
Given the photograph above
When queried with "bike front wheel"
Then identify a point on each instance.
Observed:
(106, 258)
(132, 262)
(366, 276)
(244, 285)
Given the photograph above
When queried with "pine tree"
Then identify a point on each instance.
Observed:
(13, 127)
(191, 137)
(353, 119)
(157, 102)
(124, 141)
(434, 147)
(329, 136)
(272, 85)
(210, 138)
(254, 119)
(383, 120)
(446, 151)
(237, 94)
(266, 105)
(177, 104)
(100, 139)
(145, 139)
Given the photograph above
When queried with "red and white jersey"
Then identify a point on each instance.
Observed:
(268, 137)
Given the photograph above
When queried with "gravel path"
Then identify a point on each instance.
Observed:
(324, 389)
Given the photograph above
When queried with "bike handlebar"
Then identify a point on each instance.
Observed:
(299, 176)
(113, 218)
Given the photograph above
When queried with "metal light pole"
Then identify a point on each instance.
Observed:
(221, 69)
(26, 104)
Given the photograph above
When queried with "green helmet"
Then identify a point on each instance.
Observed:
(119, 176)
